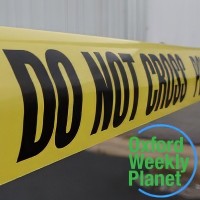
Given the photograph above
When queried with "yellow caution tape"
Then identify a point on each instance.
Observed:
(62, 93)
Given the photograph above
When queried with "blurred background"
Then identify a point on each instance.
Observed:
(168, 21)
(90, 175)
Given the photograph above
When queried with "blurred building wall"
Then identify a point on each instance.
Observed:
(169, 21)
(173, 22)
(111, 18)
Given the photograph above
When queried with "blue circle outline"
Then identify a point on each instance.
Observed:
(195, 159)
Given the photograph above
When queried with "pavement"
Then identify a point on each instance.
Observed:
(84, 176)
(91, 176)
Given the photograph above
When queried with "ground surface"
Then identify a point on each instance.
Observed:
(85, 176)
(90, 176)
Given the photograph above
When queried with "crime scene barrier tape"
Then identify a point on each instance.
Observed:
(63, 93)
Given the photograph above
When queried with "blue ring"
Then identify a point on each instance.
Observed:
(195, 160)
